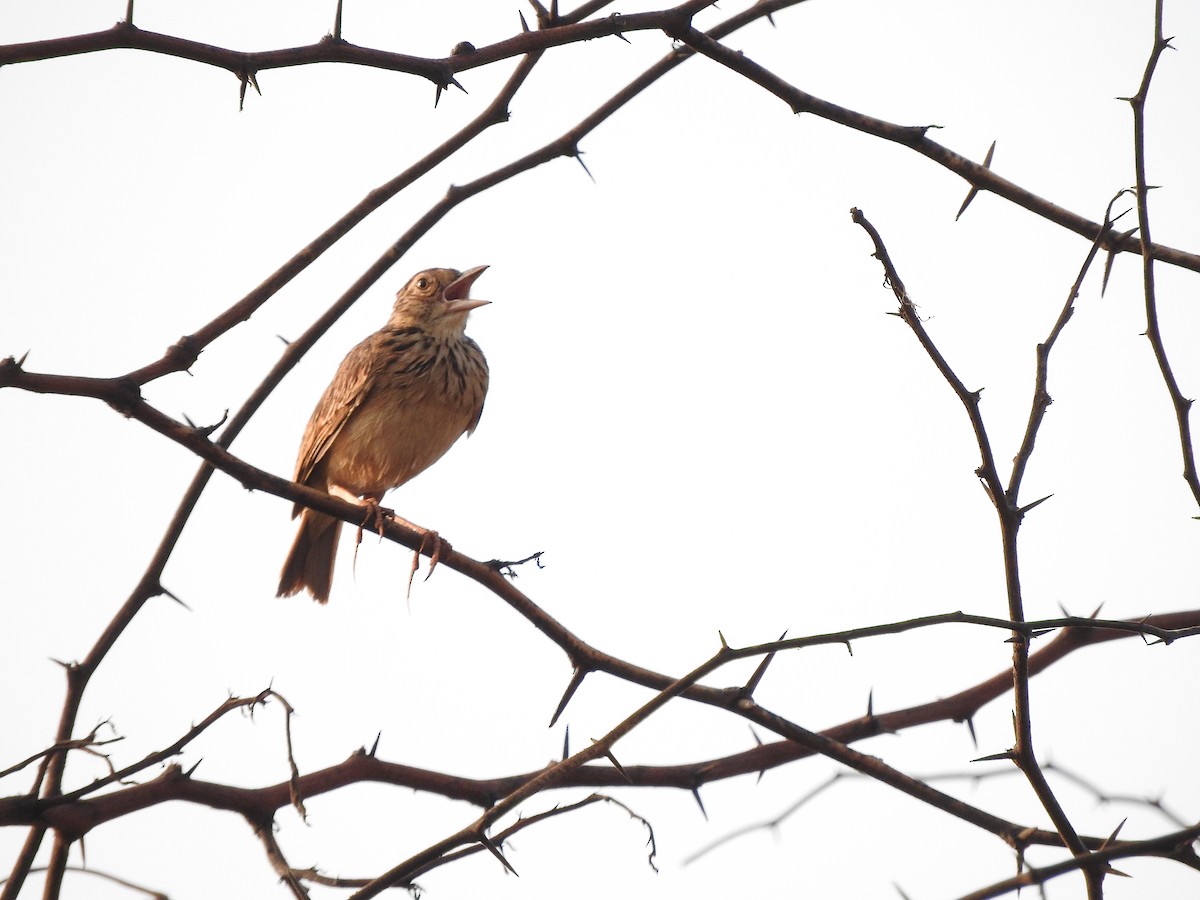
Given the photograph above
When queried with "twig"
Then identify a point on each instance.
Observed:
(1041, 395)
(1176, 845)
(1181, 404)
(265, 832)
(86, 743)
(106, 876)
(915, 138)
(441, 71)
(260, 804)
(499, 839)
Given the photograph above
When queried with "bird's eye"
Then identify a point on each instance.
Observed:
(422, 283)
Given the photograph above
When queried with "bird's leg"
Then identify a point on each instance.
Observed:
(374, 509)
(375, 512)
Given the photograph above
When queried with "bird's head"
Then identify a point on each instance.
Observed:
(438, 300)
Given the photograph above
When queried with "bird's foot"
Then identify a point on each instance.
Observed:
(375, 513)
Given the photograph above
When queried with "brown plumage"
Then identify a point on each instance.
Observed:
(396, 404)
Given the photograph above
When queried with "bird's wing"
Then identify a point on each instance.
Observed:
(345, 393)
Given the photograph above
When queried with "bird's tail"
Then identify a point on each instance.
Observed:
(310, 562)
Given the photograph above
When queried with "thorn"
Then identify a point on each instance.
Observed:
(495, 851)
(524, 24)
(445, 87)
(993, 757)
(751, 686)
(970, 720)
(566, 742)
(759, 742)
(129, 13)
(900, 891)
(337, 22)
(616, 765)
(576, 680)
(579, 159)
(65, 665)
(162, 590)
(1095, 612)
(987, 164)
(721, 637)
(188, 773)
(849, 649)
(21, 361)
(1112, 255)
(771, 19)
(615, 18)
(1035, 503)
(375, 746)
(871, 703)
(206, 430)
(1112, 837)
(699, 802)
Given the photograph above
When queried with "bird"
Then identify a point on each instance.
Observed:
(396, 404)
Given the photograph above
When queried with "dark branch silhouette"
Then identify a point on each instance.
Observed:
(70, 812)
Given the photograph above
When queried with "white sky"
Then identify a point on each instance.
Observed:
(699, 410)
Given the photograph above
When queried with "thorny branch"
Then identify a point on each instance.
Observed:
(1010, 516)
(125, 390)
(54, 809)
(246, 66)
(1041, 394)
(259, 804)
(1182, 404)
(981, 177)
(499, 839)
(564, 30)
(972, 777)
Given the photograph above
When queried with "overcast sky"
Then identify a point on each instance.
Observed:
(700, 410)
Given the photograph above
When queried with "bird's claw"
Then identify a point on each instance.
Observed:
(375, 513)
(435, 556)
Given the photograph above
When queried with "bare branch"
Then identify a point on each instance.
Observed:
(915, 138)
(1182, 404)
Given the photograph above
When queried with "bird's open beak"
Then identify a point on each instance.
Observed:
(456, 293)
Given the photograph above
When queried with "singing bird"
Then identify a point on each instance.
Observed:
(396, 404)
